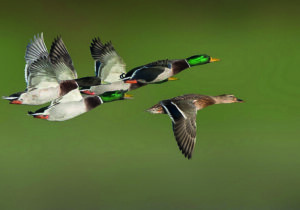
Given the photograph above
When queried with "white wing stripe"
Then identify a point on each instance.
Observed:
(168, 113)
(181, 112)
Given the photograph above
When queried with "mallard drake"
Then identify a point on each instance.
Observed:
(183, 110)
(161, 70)
(109, 69)
(74, 104)
(45, 74)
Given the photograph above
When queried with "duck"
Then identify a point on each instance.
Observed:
(109, 69)
(183, 110)
(46, 75)
(164, 70)
(74, 104)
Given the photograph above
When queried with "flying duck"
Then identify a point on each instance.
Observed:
(109, 69)
(74, 104)
(45, 74)
(161, 70)
(183, 110)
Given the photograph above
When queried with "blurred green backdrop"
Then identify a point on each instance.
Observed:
(120, 157)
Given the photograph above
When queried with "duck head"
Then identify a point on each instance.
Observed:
(200, 59)
(227, 99)
(156, 109)
(115, 95)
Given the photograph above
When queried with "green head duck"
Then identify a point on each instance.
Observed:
(200, 59)
(115, 95)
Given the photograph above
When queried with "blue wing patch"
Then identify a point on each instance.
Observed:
(97, 68)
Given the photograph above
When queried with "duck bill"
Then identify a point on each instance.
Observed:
(16, 102)
(240, 100)
(213, 59)
(128, 96)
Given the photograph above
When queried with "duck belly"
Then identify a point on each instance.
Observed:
(66, 111)
(100, 89)
(41, 96)
(163, 76)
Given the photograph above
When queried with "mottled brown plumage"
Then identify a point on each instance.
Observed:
(183, 110)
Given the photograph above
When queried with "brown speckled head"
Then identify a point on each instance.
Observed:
(227, 99)
(156, 109)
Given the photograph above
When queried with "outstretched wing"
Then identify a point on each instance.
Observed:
(108, 64)
(41, 74)
(183, 115)
(35, 49)
(61, 60)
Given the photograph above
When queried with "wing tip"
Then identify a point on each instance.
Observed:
(98, 49)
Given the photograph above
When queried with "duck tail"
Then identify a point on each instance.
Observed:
(9, 98)
(38, 115)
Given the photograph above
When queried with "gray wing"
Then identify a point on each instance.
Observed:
(61, 60)
(41, 74)
(183, 115)
(108, 64)
(35, 49)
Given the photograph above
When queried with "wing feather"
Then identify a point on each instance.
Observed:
(61, 59)
(41, 74)
(35, 49)
(183, 115)
(108, 64)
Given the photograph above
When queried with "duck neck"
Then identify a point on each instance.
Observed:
(204, 101)
(179, 65)
(218, 99)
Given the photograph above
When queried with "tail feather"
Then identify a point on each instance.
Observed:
(9, 98)
(30, 113)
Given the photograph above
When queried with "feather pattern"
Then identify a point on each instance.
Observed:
(108, 64)
(60, 57)
(183, 115)
(34, 50)
(41, 74)
(151, 73)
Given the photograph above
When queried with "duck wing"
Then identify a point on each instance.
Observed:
(183, 116)
(61, 60)
(35, 50)
(41, 74)
(108, 64)
(149, 72)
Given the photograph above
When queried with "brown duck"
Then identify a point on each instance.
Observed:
(183, 110)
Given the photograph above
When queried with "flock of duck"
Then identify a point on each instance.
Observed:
(51, 77)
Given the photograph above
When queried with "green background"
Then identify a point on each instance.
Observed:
(120, 157)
